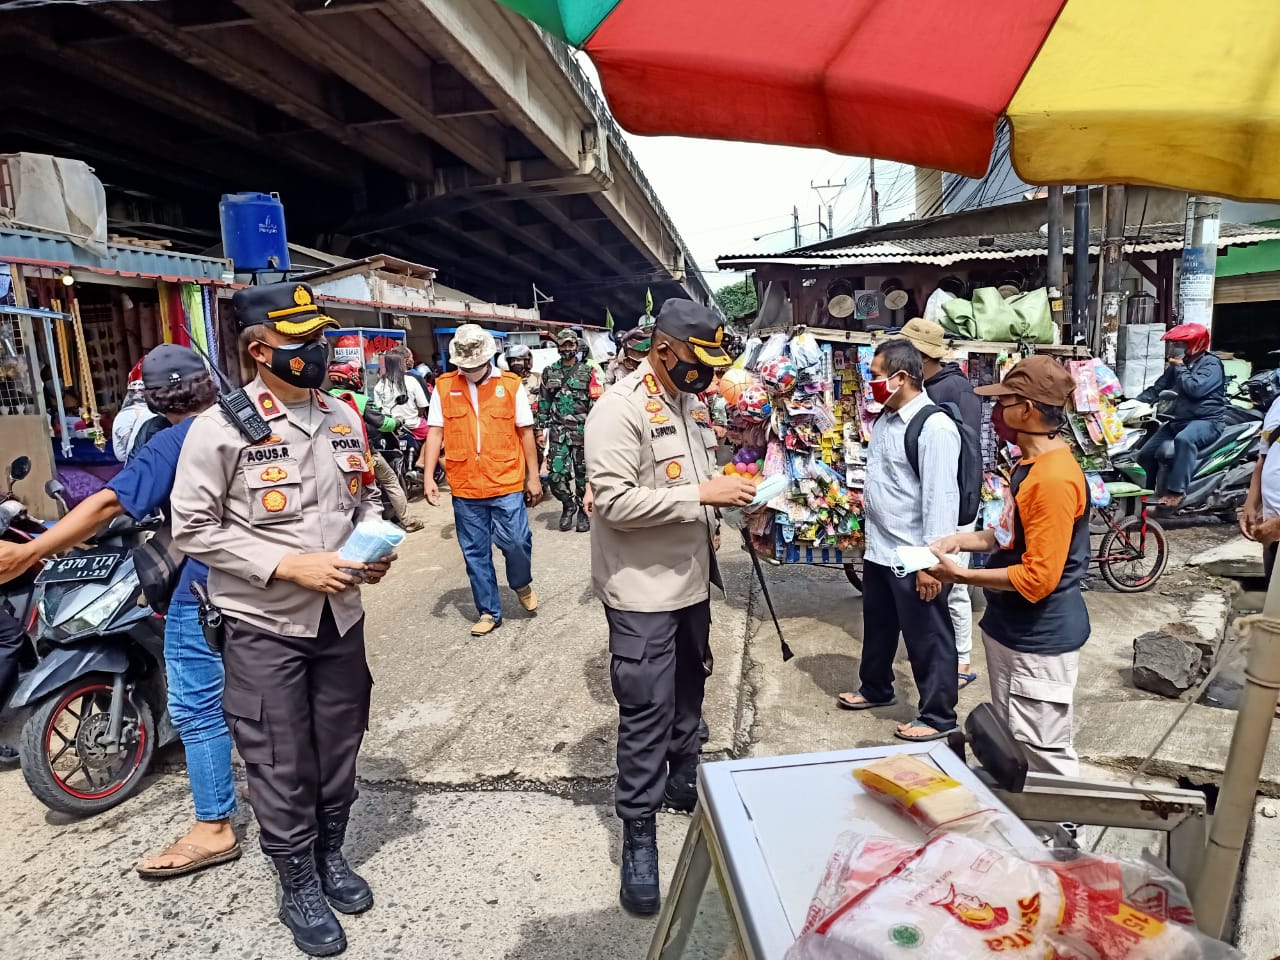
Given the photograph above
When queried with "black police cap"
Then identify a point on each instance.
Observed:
(696, 326)
(289, 306)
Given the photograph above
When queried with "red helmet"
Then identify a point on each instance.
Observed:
(346, 374)
(135, 376)
(1194, 335)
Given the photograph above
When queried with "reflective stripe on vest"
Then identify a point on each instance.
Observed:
(498, 468)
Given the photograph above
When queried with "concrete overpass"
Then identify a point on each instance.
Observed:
(450, 132)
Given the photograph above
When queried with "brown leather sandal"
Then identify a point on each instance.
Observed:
(198, 858)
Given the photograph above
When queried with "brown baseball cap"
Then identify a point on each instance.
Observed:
(928, 337)
(1039, 378)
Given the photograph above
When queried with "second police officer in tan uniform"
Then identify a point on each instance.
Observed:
(651, 462)
(268, 519)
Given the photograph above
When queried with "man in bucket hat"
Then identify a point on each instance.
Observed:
(945, 382)
(482, 416)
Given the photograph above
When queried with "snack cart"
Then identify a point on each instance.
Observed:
(763, 835)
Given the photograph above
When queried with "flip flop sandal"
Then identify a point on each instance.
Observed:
(864, 705)
(198, 859)
(918, 738)
(966, 679)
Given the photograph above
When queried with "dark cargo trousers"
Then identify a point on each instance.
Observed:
(658, 675)
(297, 708)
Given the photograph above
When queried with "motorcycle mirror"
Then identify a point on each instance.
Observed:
(1168, 395)
(19, 469)
(53, 488)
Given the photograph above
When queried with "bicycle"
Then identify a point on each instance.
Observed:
(1134, 550)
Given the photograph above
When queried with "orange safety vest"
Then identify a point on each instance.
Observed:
(499, 468)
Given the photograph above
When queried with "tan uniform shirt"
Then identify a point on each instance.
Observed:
(647, 453)
(240, 507)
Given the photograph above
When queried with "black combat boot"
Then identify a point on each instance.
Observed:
(584, 522)
(345, 888)
(303, 909)
(682, 784)
(566, 518)
(639, 893)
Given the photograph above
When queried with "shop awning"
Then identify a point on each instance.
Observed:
(946, 251)
(38, 249)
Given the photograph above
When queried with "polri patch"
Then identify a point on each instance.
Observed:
(353, 485)
(658, 418)
(340, 428)
(266, 401)
(651, 384)
(273, 501)
(274, 474)
(355, 462)
(674, 470)
(653, 406)
(348, 443)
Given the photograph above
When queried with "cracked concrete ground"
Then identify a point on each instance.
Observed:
(485, 823)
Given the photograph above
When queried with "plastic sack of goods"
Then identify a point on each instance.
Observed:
(966, 892)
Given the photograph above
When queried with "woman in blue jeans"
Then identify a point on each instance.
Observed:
(177, 386)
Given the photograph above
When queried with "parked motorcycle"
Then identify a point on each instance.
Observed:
(98, 695)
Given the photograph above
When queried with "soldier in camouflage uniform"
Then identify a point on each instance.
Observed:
(570, 388)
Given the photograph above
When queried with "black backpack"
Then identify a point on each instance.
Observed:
(969, 469)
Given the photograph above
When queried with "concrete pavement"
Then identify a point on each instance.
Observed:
(485, 821)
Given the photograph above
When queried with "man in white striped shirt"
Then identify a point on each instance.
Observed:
(906, 509)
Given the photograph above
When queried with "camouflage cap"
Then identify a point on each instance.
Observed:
(565, 335)
(472, 346)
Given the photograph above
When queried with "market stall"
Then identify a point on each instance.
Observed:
(908, 852)
(800, 412)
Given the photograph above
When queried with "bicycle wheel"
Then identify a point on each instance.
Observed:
(1130, 559)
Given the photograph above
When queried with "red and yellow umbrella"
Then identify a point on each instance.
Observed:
(1162, 92)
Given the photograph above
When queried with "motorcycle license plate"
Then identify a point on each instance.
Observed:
(94, 566)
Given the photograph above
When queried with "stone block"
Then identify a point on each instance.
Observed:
(1236, 558)
(1171, 660)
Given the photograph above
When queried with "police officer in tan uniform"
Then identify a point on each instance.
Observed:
(651, 462)
(268, 519)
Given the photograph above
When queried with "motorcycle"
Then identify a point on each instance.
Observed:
(97, 698)
(1220, 478)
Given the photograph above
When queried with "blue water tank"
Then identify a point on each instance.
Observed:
(253, 234)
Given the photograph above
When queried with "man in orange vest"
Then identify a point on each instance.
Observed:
(483, 417)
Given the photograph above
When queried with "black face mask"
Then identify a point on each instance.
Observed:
(303, 364)
(568, 356)
(690, 377)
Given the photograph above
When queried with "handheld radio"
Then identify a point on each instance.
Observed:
(235, 402)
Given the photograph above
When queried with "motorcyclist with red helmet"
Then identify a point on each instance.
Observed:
(346, 382)
(1200, 382)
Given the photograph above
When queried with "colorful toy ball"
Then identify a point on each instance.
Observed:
(730, 468)
(778, 375)
(753, 404)
(732, 383)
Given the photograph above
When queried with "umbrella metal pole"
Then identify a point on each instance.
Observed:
(1055, 255)
(1215, 888)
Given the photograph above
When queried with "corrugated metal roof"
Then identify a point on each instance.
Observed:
(946, 251)
(122, 259)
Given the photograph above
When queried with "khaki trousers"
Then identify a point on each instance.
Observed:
(390, 485)
(1034, 694)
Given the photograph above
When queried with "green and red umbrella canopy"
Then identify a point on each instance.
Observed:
(1095, 91)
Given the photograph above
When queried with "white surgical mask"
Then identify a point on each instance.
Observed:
(475, 376)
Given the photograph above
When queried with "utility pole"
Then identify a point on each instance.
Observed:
(1199, 261)
(875, 197)
(795, 225)
(1111, 265)
(1080, 267)
(829, 201)
(1055, 255)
